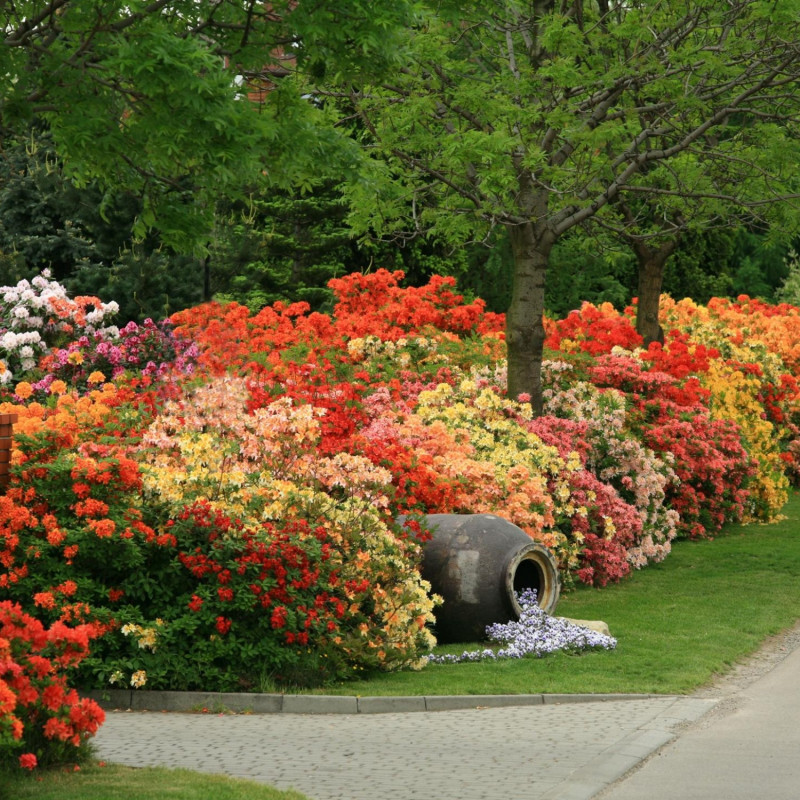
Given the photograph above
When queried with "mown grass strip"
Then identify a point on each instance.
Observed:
(678, 624)
(113, 782)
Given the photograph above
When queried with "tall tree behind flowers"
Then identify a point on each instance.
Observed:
(539, 117)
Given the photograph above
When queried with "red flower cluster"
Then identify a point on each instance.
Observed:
(274, 591)
(712, 465)
(38, 712)
(593, 330)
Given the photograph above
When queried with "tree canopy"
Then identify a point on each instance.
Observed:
(543, 116)
(149, 94)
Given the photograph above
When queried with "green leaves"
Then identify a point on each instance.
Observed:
(157, 100)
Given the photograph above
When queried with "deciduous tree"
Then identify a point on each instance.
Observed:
(150, 94)
(537, 116)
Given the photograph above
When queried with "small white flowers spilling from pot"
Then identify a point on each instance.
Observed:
(535, 634)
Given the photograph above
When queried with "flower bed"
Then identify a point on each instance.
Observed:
(234, 526)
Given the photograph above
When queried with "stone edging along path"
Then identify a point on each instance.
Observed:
(772, 651)
(248, 703)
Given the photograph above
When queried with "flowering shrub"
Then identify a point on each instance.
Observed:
(617, 460)
(534, 634)
(395, 312)
(371, 305)
(735, 396)
(35, 315)
(592, 329)
(150, 350)
(264, 468)
(39, 714)
(280, 602)
(712, 466)
(742, 322)
(235, 524)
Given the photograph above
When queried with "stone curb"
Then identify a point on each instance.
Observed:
(248, 703)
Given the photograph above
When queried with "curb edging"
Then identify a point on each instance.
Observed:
(250, 703)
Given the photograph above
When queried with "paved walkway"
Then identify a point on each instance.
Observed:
(569, 750)
(746, 748)
(737, 740)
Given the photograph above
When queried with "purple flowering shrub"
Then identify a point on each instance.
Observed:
(534, 634)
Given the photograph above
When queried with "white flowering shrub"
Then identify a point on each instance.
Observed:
(36, 315)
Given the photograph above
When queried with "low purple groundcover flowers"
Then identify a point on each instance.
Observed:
(536, 633)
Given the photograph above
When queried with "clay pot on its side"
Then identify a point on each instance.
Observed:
(477, 563)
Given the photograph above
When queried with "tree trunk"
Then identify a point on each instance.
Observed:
(206, 279)
(524, 321)
(651, 278)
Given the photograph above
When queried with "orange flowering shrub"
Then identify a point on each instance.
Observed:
(744, 321)
(367, 305)
(39, 714)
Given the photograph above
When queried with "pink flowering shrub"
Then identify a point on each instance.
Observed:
(608, 526)
(596, 424)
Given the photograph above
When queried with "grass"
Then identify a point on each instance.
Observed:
(678, 624)
(113, 782)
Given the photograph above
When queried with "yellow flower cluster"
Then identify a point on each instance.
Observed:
(146, 638)
(734, 396)
(402, 609)
(369, 347)
(508, 467)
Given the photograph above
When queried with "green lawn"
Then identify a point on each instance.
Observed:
(678, 623)
(113, 782)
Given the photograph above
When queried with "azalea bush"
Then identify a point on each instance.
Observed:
(623, 485)
(42, 720)
(363, 603)
(220, 492)
(148, 351)
(133, 540)
(273, 605)
(37, 314)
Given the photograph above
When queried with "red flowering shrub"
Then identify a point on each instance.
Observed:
(277, 603)
(630, 375)
(39, 713)
(679, 356)
(367, 305)
(376, 305)
(593, 330)
(713, 468)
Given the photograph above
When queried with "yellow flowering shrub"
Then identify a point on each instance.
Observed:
(734, 396)
(263, 469)
(505, 468)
